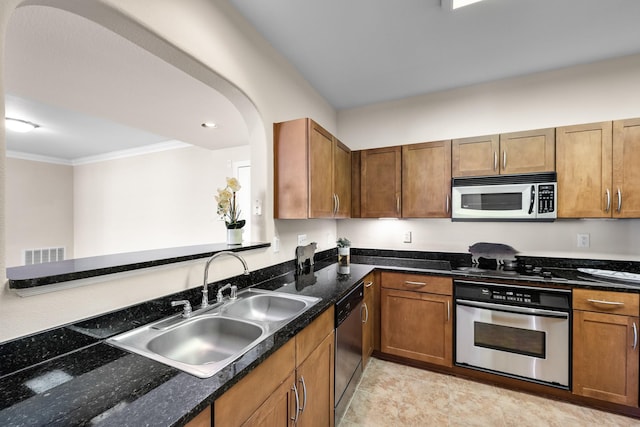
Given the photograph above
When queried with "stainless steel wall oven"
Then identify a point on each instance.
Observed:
(516, 331)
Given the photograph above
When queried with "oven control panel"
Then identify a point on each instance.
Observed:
(526, 296)
(511, 295)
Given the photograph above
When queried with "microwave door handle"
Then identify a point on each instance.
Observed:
(533, 199)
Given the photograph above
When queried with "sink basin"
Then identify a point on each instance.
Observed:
(216, 336)
(205, 340)
(266, 308)
(201, 346)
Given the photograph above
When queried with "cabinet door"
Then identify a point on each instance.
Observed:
(626, 170)
(605, 357)
(290, 169)
(279, 410)
(368, 320)
(315, 386)
(321, 150)
(476, 156)
(381, 182)
(342, 179)
(583, 163)
(239, 403)
(426, 180)
(203, 419)
(527, 152)
(417, 326)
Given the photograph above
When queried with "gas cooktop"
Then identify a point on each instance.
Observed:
(553, 274)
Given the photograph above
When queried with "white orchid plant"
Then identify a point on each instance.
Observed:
(227, 205)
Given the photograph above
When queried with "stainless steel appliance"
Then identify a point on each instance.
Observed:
(525, 197)
(516, 331)
(348, 354)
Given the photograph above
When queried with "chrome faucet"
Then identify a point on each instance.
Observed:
(186, 312)
(205, 291)
(234, 292)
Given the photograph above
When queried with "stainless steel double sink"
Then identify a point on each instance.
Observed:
(213, 338)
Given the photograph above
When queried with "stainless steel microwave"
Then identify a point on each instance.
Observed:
(523, 197)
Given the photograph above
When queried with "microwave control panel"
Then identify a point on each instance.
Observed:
(546, 198)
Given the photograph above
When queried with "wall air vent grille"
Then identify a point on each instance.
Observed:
(39, 256)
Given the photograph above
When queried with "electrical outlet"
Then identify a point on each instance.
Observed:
(257, 207)
(330, 241)
(583, 240)
(407, 237)
(302, 239)
(276, 245)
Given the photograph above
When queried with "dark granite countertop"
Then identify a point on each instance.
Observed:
(30, 276)
(69, 376)
(101, 385)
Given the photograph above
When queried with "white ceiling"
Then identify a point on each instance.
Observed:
(67, 73)
(358, 52)
(94, 92)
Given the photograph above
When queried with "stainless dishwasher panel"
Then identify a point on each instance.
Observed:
(348, 353)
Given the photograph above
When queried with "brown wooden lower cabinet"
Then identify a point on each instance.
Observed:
(605, 345)
(415, 324)
(314, 379)
(203, 419)
(267, 396)
(369, 319)
(278, 410)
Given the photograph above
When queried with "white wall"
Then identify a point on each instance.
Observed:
(39, 208)
(597, 92)
(151, 201)
(215, 35)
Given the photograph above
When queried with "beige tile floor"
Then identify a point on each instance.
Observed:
(390, 394)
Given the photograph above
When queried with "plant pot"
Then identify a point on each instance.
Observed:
(234, 236)
(344, 256)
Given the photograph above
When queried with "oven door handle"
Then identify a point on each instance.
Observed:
(514, 309)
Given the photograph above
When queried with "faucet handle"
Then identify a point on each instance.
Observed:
(186, 312)
(234, 292)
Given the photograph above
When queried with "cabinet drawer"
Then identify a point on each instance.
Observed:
(606, 302)
(311, 336)
(417, 283)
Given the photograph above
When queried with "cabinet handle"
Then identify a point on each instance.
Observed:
(409, 282)
(448, 311)
(635, 336)
(368, 284)
(447, 204)
(608, 201)
(495, 160)
(366, 312)
(338, 204)
(304, 392)
(295, 391)
(504, 159)
(398, 204)
(335, 204)
(599, 301)
(619, 200)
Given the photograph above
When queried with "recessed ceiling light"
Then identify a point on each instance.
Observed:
(455, 4)
(18, 125)
(209, 125)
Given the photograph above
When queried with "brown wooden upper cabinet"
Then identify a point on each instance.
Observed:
(380, 182)
(583, 156)
(626, 168)
(426, 180)
(510, 153)
(598, 176)
(312, 172)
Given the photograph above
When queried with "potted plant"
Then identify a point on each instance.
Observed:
(344, 254)
(230, 212)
